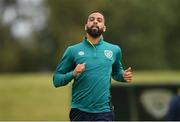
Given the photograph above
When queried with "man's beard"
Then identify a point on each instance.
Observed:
(94, 31)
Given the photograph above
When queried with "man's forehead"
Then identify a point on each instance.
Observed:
(98, 15)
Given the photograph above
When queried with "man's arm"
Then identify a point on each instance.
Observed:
(118, 73)
(64, 71)
(117, 69)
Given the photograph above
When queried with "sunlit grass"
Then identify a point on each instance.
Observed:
(159, 77)
(32, 96)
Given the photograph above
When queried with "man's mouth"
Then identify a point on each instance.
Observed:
(95, 28)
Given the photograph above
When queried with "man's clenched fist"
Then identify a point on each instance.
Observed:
(127, 75)
(79, 69)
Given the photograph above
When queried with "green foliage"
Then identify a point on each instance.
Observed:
(140, 27)
(146, 30)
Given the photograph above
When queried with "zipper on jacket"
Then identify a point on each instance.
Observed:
(95, 50)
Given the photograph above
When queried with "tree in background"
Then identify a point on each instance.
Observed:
(34, 33)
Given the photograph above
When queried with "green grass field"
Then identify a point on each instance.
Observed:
(32, 96)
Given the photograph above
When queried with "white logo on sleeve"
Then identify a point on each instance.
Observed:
(108, 53)
(81, 53)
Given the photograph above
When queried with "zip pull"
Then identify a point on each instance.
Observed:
(95, 53)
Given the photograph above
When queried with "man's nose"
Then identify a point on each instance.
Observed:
(95, 22)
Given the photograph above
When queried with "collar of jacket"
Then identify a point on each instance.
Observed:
(88, 42)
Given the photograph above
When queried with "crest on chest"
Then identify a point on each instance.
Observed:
(108, 53)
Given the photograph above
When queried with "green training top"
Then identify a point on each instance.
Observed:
(91, 88)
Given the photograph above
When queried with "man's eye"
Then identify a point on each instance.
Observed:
(91, 19)
(99, 20)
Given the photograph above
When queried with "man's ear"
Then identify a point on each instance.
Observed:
(85, 27)
(104, 29)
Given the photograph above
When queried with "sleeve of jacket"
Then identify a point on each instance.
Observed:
(117, 69)
(64, 71)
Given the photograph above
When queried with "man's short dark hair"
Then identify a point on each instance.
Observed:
(96, 11)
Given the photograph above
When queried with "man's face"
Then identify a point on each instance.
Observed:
(95, 25)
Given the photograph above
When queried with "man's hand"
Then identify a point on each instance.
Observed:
(79, 69)
(127, 75)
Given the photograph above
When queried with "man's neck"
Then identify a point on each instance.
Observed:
(93, 40)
